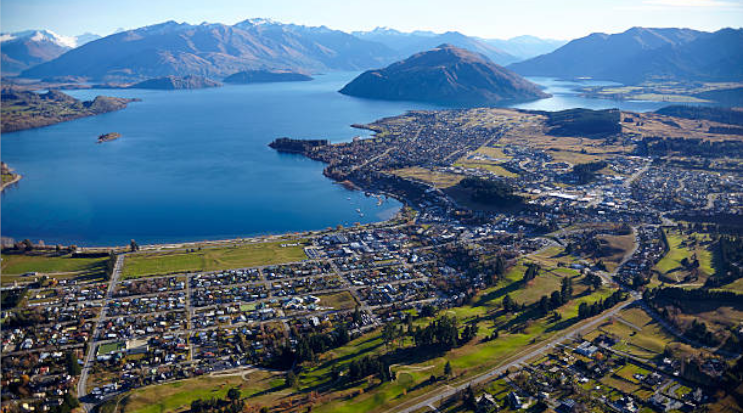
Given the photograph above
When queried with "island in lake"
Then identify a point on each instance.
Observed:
(25, 110)
(176, 83)
(446, 74)
(108, 137)
(267, 76)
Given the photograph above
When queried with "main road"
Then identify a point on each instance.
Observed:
(89, 357)
(429, 399)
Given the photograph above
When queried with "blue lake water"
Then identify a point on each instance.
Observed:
(195, 165)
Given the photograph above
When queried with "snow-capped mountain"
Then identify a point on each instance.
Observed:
(25, 49)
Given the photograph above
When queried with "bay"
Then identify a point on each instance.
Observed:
(195, 165)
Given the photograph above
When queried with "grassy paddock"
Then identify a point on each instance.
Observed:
(438, 179)
(213, 259)
(177, 396)
(63, 266)
(686, 246)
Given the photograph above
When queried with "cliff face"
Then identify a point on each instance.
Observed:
(446, 74)
(266, 76)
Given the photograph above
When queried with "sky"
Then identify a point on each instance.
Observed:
(557, 19)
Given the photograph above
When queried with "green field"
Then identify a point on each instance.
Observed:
(63, 266)
(110, 347)
(648, 342)
(682, 246)
(338, 301)
(494, 168)
(468, 360)
(437, 179)
(213, 259)
(177, 396)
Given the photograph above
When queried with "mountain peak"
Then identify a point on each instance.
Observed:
(446, 74)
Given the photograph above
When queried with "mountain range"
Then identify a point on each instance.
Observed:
(446, 74)
(217, 51)
(641, 54)
(214, 50)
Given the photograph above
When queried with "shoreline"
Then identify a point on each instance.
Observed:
(16, 179)
(253, 239)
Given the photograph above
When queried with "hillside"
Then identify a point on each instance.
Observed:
(214, 50)
(407, 44)
(176, 83)
(26, 110)
(266, 76)
(446, 74)
(641, 54)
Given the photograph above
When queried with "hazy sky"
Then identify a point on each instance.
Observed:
(562, 19)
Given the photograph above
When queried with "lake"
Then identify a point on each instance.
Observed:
(195, 165)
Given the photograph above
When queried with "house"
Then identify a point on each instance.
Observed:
(486, 403)
(515, 401)
(664, 404)
(586, 349)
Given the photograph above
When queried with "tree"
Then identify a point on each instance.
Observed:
(566, 290)
(500, 266)
(595, 281)
(73, 368)
(233, 394)
(544, 304)
(134, 246)
(27, 244)
(555, 299)
(357, 316)
(508, 304)
(469, 398)
(291, 380)
(447, 369)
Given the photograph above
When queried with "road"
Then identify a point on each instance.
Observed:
(636, 175)
(438, 395)
(88, 363)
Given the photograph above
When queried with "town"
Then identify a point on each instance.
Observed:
(543, 262)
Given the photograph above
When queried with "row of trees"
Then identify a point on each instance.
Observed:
(586, 310)
(367, 366)
(557, 298)
(532, 270)
(443, 333)
(309, 346)
(731, 261)
(232, 403)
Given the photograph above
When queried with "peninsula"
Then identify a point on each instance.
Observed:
(446, 75)
(266, 76)
(26, 110)
(176, 83)
(301, 146)
(9, 176)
